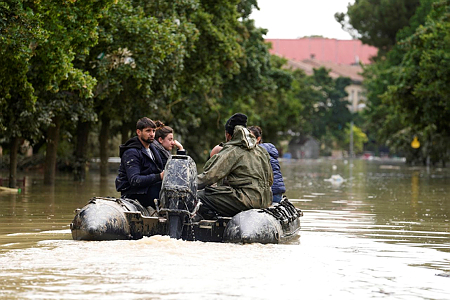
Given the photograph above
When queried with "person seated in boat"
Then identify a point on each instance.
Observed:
(216, 149)
(278, 187)
(141, 169)
(164, 142)
(241, 171)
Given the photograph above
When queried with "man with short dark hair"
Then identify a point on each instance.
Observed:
(241, 170)
(141, 169)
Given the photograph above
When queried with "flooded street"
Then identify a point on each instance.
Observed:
(378, 230)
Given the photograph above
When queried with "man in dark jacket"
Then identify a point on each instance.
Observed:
(141, 169)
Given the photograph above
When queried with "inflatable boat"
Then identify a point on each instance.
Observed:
(109, 218)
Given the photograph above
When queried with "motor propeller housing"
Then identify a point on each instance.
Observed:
(178, 194)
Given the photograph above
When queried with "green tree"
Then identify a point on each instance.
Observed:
(40, 84)
(330, 108)
(260, 88)
(230, 64)
(315, 106)
(64, 91)
(381, 123)
(419, 92)
(20, 32)
(138, 62)
(376, 22)
(359, 139)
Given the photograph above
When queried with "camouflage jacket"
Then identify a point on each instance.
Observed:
(245, 167)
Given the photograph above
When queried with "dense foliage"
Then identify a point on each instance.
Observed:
(76, 75)
(419, 94)
(407, 86)
(376, 22)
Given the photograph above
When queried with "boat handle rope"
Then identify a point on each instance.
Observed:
(187, 212)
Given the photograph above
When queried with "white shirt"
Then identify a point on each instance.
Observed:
(150, 153)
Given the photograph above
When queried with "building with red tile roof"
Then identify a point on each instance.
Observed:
(346, 52)
(342, 57)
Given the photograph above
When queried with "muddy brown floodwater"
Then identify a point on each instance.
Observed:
(379, 230)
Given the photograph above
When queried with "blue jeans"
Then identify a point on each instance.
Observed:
(276, 198)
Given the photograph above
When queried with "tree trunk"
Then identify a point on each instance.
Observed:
(125, 131)
(52, 147)
(104, 146)
(14, 150)
(81, 151)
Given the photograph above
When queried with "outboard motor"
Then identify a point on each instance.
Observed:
(178, 194)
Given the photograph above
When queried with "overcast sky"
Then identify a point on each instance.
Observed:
(291, 19)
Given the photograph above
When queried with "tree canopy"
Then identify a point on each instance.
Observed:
(406, 94)
(376, 22)
(420, 93)
(73, 68)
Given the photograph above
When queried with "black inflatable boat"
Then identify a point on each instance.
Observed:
(107, 218)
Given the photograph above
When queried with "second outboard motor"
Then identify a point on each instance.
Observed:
(179, 192)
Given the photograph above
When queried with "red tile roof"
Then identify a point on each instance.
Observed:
(344, 52)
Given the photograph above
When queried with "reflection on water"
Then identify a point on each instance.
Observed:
(393, 204)
(382, 232)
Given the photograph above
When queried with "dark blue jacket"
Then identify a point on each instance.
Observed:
(278, 183)
(137, 171)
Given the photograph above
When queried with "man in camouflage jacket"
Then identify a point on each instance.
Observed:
(241, 170)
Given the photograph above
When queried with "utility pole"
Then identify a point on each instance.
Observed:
(351, 139)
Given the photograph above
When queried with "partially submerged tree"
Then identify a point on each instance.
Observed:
(384, 123)
(419, 92)
(20, 32)
(64, 91)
